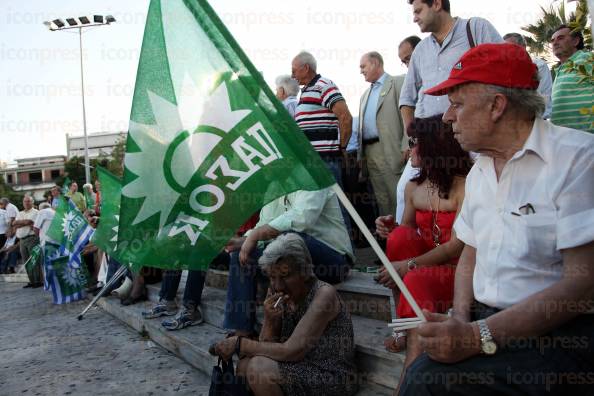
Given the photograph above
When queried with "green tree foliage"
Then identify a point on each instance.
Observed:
(116, 163)
(74, 168)
(6, 191)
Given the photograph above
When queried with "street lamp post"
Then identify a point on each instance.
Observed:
(80, 23)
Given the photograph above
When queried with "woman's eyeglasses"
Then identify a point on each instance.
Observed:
(412, 142)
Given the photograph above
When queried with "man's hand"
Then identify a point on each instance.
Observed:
(248, 246)
(447, 339)
(234, 244)
(384, 225)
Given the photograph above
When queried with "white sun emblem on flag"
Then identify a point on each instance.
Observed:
(196, 108)
(66, 224)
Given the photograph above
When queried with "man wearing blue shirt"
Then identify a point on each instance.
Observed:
(433, 59)
(381, 139)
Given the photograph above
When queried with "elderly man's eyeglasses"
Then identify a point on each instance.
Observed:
(412, 142)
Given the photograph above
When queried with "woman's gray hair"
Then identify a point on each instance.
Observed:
(305, 58)
(290, 247)
(289, 84)
(524, 100)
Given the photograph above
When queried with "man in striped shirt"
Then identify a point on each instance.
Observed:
(322, 113)
(572, 95)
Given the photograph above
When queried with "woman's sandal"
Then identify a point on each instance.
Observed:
(396, 342)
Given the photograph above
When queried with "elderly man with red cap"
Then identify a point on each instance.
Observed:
(523, 320)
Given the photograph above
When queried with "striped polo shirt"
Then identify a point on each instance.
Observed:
(315, 117)
(573, 100)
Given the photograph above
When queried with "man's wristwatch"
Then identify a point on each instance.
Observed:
(488, 345)
(411, 264)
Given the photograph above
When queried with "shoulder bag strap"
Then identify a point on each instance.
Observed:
(469, 35)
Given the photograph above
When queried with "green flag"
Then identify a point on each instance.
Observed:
(66, 282)
(69, 228)
(89, 199)
(65, 185)
(208, 145)
(106, 234)
(33, 260)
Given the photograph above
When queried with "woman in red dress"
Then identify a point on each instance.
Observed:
(424, 249)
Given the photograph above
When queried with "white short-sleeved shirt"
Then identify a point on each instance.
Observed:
(518, 254)
(23, 232)
(11, 211)
(42, 223)
(3, 222)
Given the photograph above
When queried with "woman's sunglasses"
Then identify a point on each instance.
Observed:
(412, 142)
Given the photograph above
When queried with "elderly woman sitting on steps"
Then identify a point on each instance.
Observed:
(306, 345)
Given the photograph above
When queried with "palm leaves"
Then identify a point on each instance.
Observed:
(542, 30)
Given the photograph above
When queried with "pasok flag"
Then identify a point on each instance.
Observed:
(208, 143)
(70, 230)
(106, 233)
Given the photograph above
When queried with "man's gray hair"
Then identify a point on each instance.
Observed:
(44, 205)
(289, 84)
(524, 100)
(517, 38)
(305, 58)
(4, 201)
(289, 247)
(376, 56)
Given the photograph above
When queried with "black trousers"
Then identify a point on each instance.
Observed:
(558, 363)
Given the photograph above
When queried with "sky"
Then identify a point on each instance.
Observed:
(40, 79)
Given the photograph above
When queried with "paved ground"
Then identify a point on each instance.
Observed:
(44, 350)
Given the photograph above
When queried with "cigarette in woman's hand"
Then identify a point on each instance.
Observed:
(277, 301)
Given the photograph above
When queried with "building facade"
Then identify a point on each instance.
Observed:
(34, 176)
(101, 144)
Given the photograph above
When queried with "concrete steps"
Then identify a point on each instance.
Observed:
(378, 368)
(362, 295)
(16, 278)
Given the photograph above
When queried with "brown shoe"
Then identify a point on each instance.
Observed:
(396, 342)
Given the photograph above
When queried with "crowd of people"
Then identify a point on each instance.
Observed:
(481, 164)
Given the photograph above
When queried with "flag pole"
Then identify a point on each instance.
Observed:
(119, 273)
(376, 248)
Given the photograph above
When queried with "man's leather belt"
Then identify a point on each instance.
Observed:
(371, 141)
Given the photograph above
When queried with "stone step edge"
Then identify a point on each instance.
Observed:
(194, 354)
(357, 282)
(368, 347)
(14, 278)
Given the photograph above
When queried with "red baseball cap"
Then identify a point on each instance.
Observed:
(505, 65)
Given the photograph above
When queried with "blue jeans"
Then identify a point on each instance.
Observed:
(335, 166)
(240, 308)
(192, 291)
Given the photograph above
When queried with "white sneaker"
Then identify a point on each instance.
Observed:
(124, 290)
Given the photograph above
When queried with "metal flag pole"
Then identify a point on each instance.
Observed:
(119, 273)
(380, 253)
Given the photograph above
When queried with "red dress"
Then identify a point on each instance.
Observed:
(431, 287)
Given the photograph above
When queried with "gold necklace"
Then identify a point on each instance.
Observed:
(435, 230)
